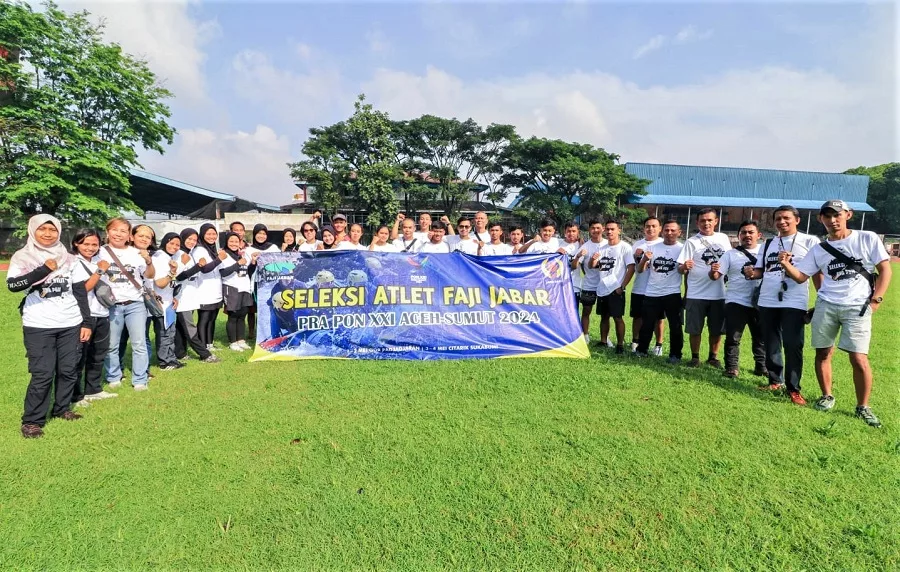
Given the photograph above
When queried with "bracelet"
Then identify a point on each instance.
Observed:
(171, 276)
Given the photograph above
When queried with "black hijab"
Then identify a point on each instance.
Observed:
(266, 244)
(333, 232)
(235, 254)
(186, 234)
(294, 247)
(209, 246)
(166, 239)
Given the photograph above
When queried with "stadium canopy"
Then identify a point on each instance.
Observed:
(692, 186)
(154, 193)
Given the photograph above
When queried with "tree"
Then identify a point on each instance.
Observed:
(354, 160)
(73, 112)
(884, 196)
(563, 180)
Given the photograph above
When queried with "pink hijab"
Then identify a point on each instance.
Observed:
(34, 255)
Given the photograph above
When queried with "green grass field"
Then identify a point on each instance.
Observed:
(519, 463)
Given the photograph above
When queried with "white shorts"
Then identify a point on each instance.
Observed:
(856, 330)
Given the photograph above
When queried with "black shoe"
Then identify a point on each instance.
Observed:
(32, 431)
(761, 371)
(620, 350)
(674, 360)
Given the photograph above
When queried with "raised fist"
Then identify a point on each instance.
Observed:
(401, 217)
(242, 261)
(173, 266)
(51, 264)
(689, 263)
(317, 215)
(103, 265)
(581, 253)
(223, 255)
(445, 219)
(185, 258)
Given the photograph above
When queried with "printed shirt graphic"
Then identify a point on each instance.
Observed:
(51, 304)
(239, 279)
(639, 284)
(841, 285)
(613, 264)
(704, 250)
(591, 275)
(209, 285)
(98, 310)
(739, 289)
(130, 257)
(797, 295)
(663, 267)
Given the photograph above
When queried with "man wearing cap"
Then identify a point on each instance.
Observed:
(339, 222)
(783, 303)
(849, 295)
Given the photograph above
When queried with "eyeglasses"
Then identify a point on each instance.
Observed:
(465, 226)
(309, 230)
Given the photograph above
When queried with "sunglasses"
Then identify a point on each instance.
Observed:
(465, 226)
(309, 230)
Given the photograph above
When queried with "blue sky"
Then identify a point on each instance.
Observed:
(794, 86)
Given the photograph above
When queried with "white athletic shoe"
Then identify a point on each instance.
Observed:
(83, 402)
(115, 384)
(633, 347)
(101, 395)
(657, 350)
(236, 347)
(141, 387)
(609, 344)
(244, 344)
(587, 339)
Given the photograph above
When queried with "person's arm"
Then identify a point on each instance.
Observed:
(686, 262)
(716, 270)
(394, 229)
(817, 280)
(230, 269)
(784, 258)
(210, 266)
(629, 274)
(27, 280)
(167, 280)
(882, 282)
(576, 260)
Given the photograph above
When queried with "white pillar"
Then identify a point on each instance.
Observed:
(808, 218)
(688, 223)
(751, 214)
(862, 224)
(657, 211)
(720, 219)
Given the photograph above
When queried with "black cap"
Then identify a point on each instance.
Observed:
(835, 205)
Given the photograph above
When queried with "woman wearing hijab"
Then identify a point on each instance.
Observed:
(328, 238)
(56, 320)
(187, 296)
(166, 265)
(259, 245)
(209, 286)
(289, 240)
(236, 289)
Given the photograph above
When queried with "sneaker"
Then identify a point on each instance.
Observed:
(771, 387)
(796, 398)
(244, 344)
(609, 344)
(32, 431)
(620, 350)
(169, 367)
(824, 403)
(115, 384)
(714, 362)
(236, 347)
(587, 339)
(864, 412)
(730, 373)
(101, 395)
(673, 360)
(70, 416)
(761, 371)
(634, 347)
(83, 402)
(179, 365)
(141, 387)
(657, 351)
(695, 362)
(211, 359)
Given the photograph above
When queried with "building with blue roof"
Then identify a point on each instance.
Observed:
(740, 194)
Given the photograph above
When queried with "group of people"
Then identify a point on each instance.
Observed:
(83, 303)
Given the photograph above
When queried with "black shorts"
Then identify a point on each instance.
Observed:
(612, 305)
(588, 298)
(699, 311)
(637, 305)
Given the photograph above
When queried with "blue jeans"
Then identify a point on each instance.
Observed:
(134, 317)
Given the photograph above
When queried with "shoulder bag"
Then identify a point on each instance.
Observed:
(152, 302)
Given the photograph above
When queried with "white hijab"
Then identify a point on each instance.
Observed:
(33, 255)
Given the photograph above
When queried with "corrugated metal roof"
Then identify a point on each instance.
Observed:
(782, 187)
(748, 202)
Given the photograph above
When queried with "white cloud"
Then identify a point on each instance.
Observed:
(690, 34)
(250, 165)
(164, 34)
(687, 35)
(378, 42)
(769, 117)
(653, 44)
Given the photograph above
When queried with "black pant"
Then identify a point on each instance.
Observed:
(784, 327)
(90, 366)
(190, 335)
(206, 325)
(236, 324)
(737, 317)
(52, 354)
(654, 309)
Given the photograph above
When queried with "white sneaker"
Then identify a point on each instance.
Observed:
(237, 347)
(115, 384)
(609, 344)
(83, 402)
(244, 344)
(101, 395)
(587, 339)
(657, 350)
(633, 347)
(141, 387)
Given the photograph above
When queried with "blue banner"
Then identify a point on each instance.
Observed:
(381, 305)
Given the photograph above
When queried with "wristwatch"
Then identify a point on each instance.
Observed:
(98, 272)
(878, 299)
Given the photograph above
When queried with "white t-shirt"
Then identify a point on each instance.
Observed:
(572, 249)
(432, 248)
(160, 260)
(306, 247)
(347, 245)
(386, 247)
(704, 250)
(501, 249)
(639, 285)
(240, 278)
(841, 285)
(421, 237)
(98, 310)
(591, 275)
(613, 263)
(484, 236)
(121, 286)
(797, 295)
(739, 289)
(209, 284)
(51, 304)
(188, 295)
(663, 268)
(541, 247)
(411, 245)
(468, 246)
